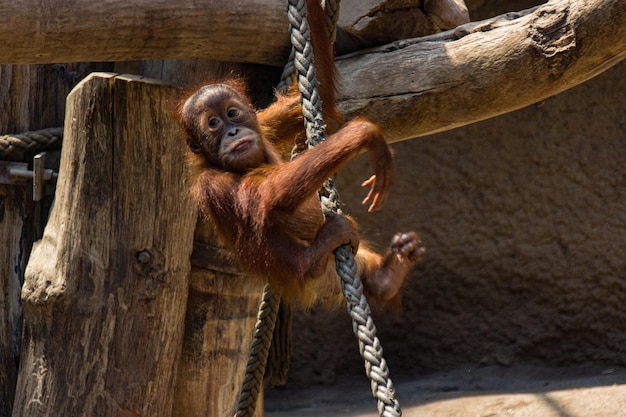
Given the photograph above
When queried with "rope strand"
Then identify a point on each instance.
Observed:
(301, 65)
(259, 348)
(358, 308)
(33, 141)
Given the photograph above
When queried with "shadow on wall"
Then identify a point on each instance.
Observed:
(523, 217)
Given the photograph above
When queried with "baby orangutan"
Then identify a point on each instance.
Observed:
(267, 210)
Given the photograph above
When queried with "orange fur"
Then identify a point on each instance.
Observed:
(267, 210)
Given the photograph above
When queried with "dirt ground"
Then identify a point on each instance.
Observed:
(491, 391)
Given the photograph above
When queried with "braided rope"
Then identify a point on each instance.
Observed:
(332, 11)
(311, 100)
(277, 366)
(358, 308)
(306, 73)
(365, 331)
(331, 7)
(259, 348)
(31, 141)
(288, 75)
(301, 64)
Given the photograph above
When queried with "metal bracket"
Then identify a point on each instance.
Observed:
(17, 173)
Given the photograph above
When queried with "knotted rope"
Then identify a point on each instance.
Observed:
(32, 142)
(301, 64)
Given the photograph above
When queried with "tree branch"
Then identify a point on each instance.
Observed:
(480, 70)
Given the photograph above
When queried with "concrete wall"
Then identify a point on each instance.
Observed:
(524, 218)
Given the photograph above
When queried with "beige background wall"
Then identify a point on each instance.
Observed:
(524, 219)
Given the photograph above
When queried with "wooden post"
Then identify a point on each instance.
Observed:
(220, 320)
(13, 209)
(106, 287)
(223, 303)
(31, 97)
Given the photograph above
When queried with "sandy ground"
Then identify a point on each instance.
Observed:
(517, 391)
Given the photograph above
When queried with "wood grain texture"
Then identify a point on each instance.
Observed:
(31, 97)
(223, 303)
(14, 209)
(106, 287)
(13, 204)
(35, 31)
(484, 69)
(411, 87)
(221, 315)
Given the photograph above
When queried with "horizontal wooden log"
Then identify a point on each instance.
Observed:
(411, 87)
(480, 70)
(46, 31)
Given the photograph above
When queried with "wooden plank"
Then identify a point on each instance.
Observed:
(106, 287)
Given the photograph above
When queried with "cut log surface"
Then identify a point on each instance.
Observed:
(106, 287)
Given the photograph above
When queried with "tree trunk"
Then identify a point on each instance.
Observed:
(106, 287)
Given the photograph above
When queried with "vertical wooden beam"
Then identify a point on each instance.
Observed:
(106, 287)
(31, 97)
(220, 321)
(222, 305)
(15, 242)
(13, 209)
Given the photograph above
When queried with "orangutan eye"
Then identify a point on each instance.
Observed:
(214, 122)
(233, 112)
